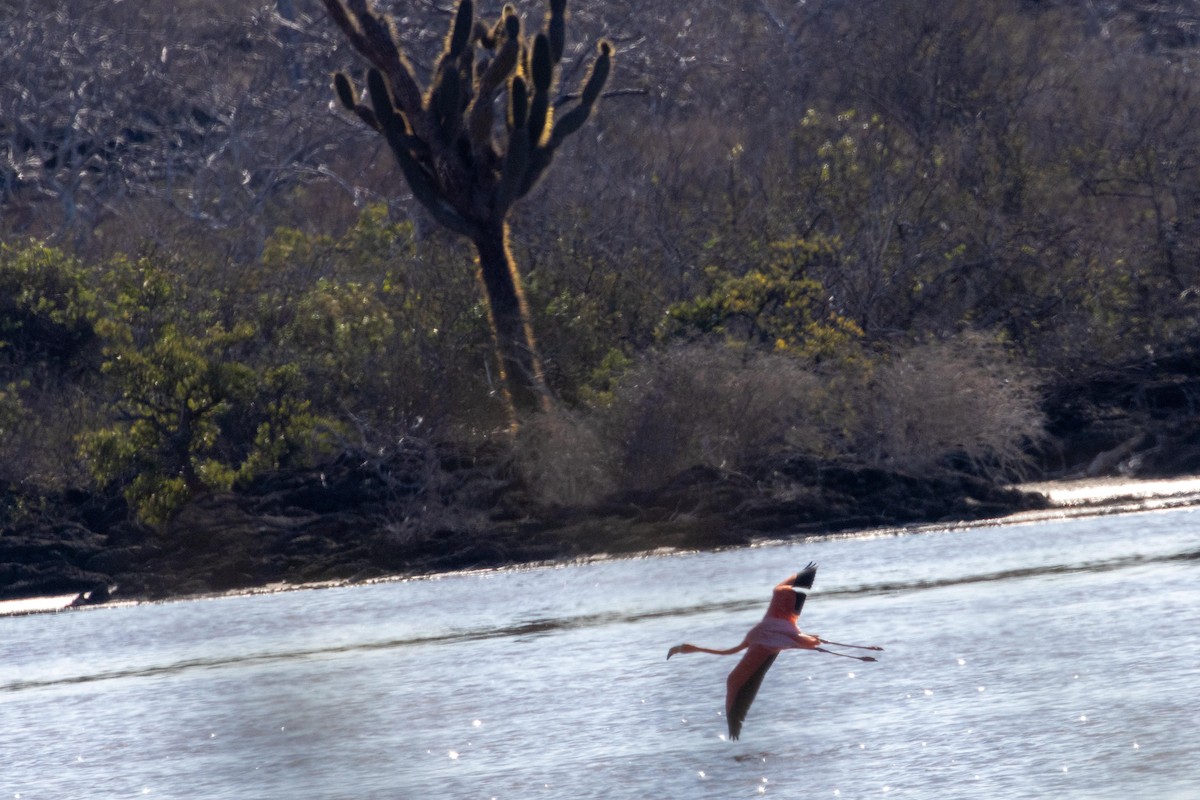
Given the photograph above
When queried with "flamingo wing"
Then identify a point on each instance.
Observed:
(801, 582)
(743, 683)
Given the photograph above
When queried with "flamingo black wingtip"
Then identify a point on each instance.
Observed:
(804, 578)
(802, 583)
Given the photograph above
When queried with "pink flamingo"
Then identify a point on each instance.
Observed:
(778, 631)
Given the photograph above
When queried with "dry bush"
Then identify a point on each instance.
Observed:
(564, 459)
(961, 399)
(712, 405)
(434, 490)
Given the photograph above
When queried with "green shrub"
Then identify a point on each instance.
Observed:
(775, 305)
(165, 439)
(49, 347)
(195, 402)
(13, 413)
(47, 309)
(382, 327)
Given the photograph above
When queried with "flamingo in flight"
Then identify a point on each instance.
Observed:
(777, 631)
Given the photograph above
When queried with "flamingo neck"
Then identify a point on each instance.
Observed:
(691, 648)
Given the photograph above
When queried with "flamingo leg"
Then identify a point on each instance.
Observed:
(845, 655)
(855, 646)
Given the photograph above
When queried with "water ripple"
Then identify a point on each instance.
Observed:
(547, 626)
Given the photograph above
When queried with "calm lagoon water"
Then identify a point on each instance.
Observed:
(1056, 659)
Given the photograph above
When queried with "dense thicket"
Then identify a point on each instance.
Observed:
(873, 230)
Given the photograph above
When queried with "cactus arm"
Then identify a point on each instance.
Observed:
(444, 100)
(461, 31)
(542, 71)
(504, 62)
(373, 37)
(349, 99)
(598, 76)
(556, 28)
(421, 180)
(391, 120)
(479, 113)
(571, 121)
(518, 103)
(593, 85)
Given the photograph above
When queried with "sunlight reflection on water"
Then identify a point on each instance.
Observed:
(1052, 659)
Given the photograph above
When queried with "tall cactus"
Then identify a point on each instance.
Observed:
(463, 165)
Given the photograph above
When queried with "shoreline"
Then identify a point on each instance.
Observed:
(1068, 499)
(1104, 491)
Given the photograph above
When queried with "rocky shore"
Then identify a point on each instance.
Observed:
(424, 508)
(420, 510)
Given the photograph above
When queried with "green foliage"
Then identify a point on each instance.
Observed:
(287, 430)
(599, 390)
(341, 322)
(192, 417)
(47, 309)
(198, 381)
(167, 432)
(392, 331)
(776, 306)
(373, 248)
(195, 408)
(49, 348)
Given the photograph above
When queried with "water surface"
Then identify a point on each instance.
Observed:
(1051, 659)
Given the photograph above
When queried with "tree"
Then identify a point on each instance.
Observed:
(444, 139)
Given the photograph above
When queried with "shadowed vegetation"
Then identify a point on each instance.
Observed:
(934, 237)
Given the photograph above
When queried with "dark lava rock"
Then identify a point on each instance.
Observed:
(358, 517)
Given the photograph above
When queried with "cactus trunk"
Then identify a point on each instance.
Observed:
(519, 363)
